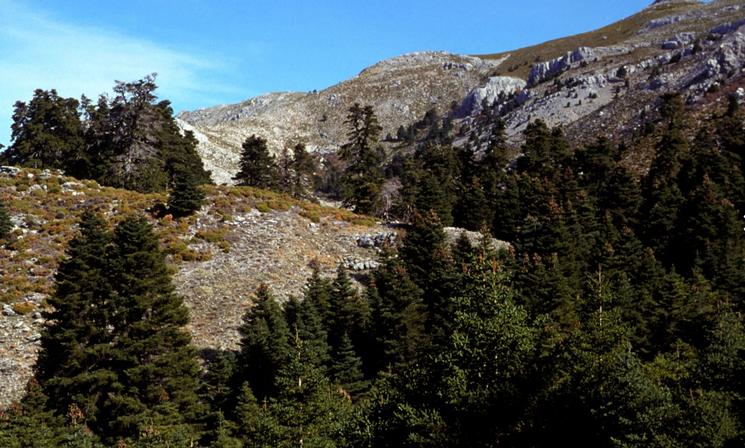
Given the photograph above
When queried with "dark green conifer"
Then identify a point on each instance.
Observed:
(157, 375)
(256, 424)
(346, 368)
(310, 329)
(363, 177)
(47, 133)
(350, 311)
(307, 411)
(187, 197)
(257, 166)
(303, 168)
(398, 317)
(74, 366)
(265, 340)
(5, 225)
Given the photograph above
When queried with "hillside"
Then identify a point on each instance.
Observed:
(242, 238)
(610, 78)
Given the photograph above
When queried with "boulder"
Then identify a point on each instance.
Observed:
(547, 70)
(10, 171)
(496, 87)
(8, 310)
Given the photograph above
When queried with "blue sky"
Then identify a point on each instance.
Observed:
(210, 52)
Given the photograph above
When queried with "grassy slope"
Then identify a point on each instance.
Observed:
(48, 206)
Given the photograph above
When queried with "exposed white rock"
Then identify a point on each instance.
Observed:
(545, 70)
(496, 87)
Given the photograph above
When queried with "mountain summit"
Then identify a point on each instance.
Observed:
(605, 77)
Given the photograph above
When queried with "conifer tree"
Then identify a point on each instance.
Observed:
(303, 167)
(363, 176)
(115, 348)
(350, 311)
(427, 260)
(310, 329)
(133, 140)
(398, 316)
(257, 166)
(306, 410)
(187, 197)
(157, 372)
(74, 364)
(47, 133)
(486, 360)
(5, 224)
(265, 348)
(256, 424)
(216, 381)
(346, 368)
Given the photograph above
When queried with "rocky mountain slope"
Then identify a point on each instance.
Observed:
(243, 237)
(401, 90)
(604, 82)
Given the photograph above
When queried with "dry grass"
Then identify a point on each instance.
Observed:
(520, 61)
(50, 212)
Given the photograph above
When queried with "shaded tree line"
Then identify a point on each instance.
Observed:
(127, 140)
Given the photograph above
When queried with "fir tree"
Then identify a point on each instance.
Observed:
(317, 291)
(306, 410)
(310, 329)
(346, 368)
(116, 349)
(303, 168)
(134, 142)
(265, 340)
(47, 133)
(363, 177)
(74, 366)
(256, 425)
(257, 166)
(187, 197)
(398, 317)
(350, 311)
(427, 260)
(157, 372)
(5, 224)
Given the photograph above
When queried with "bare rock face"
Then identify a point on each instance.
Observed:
(497, 87)
(400, 90)
(599, 86)
(547, 70)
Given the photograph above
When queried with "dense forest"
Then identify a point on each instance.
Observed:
(614, 319)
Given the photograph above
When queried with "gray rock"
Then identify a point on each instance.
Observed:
(475, 238)
(8, 310)
(662, 21)
(497, 87)
(727, 28)
(37, 298)
(545, 70)
(71, 186)
(376, 240)
(10, 171)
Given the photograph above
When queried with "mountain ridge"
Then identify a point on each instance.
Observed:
(403, 88)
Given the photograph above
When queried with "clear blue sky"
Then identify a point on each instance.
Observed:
(210, 52)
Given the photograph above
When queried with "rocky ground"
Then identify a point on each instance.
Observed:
(273, 248)
(604, 82)
(401, 90)
(243, 238)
